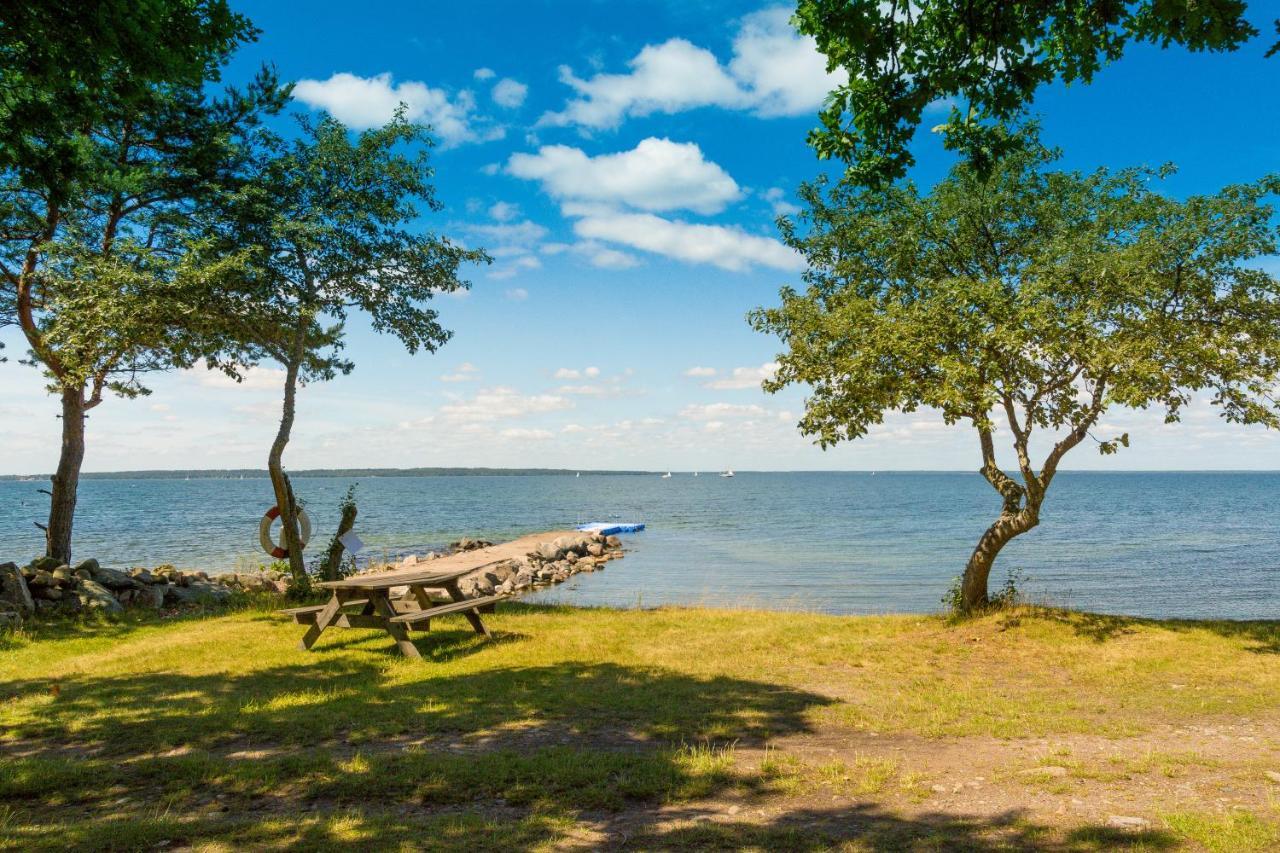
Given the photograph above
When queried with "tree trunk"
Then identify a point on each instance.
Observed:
(333, 560)
(973, 586)
(62, 504)
(280, 482)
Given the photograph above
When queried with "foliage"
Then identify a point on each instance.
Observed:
(984, 59)
(1039, 298)
(337, 563)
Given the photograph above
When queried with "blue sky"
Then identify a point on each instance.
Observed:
(624, 163)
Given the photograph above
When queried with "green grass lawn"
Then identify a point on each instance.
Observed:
(593, 727)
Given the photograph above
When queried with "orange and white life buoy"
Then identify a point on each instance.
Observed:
(264, 532)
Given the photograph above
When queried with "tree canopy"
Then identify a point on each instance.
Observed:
(983, 58)
(1027, 302)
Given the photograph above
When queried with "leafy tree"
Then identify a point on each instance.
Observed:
(331, 221)
(1026, 303)
(100, 267)
(988, 57)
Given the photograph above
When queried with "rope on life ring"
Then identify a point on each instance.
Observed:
(264, 532)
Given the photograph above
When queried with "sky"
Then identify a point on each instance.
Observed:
(624, 163)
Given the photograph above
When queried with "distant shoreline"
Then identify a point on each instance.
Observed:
(261, 474)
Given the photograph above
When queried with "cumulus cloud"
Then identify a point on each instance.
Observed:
(524, 434)
(777, 199)
(509, 93)
(596, 254)
(656, 175)
(364, 102)
(745, 377)
(485, 74)
(727, 247)
(700, 371)
(720, 411)
(251, 379)
(466, 372)
(504, 211)
(492, 404)
(773, 71)
(516, 294)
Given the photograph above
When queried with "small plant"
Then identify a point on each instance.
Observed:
(1006, 598)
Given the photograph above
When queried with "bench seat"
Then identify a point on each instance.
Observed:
(471, 604)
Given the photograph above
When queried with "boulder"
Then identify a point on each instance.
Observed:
(47, 564)
(10, 620)
(571, 557)
(595, 549)
(95, 596)
(113, 579)
(613, 542)
(49, 593)
(550, 552)
(14, 594)
(197, 592)
(42, 578)
(151, 596)
(83, 575)
(142, 576)
(90, 566)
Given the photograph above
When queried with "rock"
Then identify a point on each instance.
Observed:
(10, 620)
(595, 549)
(1120, 821)
(197, 592)
(142, 576)
(42, 578)
(151, 596)
(95, 596)
(550, 552)
(62, 575)
(90, 565)
(571, 558)
(83, 575)
(49, 593)
(15, 596)
(613, 542)
(46, 564)
(483, 586)
(113, 579)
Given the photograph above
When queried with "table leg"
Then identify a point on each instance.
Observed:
(323, 619)
(472, 616)
(397, 630)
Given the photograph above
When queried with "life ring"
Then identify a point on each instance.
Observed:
(264, 532)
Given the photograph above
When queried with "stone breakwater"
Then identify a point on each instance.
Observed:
(549, 563)
(47, 586)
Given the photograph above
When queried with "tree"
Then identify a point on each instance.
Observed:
(1031, 301)
(986, 57)
(100, 267)
(330, 221)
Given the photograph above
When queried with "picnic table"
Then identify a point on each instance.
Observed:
(366, 601)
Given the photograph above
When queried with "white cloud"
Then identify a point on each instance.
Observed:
(773, 71)
(485, 74)
(251, 379)
(466, 372)
(492, 404)
(745, 377)
(509, 93)
(504, 211)
(596, 254)
(700, 371)
(525, 233)
(727, 247)
(719, 411)
(591, 372)
(519, 433)
(511, 268)
(567, 373)
(516, 294)
(364, 102)
(777, 199)
(656, 175)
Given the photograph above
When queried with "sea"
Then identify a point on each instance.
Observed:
(1195, 545)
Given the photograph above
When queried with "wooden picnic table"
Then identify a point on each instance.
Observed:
(365, 601)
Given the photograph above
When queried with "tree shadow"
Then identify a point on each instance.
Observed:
(1262, 634)
(867, 826)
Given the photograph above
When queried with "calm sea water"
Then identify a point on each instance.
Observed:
(1154, 544)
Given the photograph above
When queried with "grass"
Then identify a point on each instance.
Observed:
(581, 726)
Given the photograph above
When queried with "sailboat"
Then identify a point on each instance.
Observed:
(577, 475)
(728, 473)
(695, 473)
(666, 476)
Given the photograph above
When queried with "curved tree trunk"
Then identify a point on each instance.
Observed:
(973, 586)
(66, 482)
(280, 481)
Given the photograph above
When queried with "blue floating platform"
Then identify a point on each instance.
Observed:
(607, 529)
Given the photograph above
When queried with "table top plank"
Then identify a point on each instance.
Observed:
(421, 577)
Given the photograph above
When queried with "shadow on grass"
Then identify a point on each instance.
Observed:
(1262, 634)
(860, 826)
